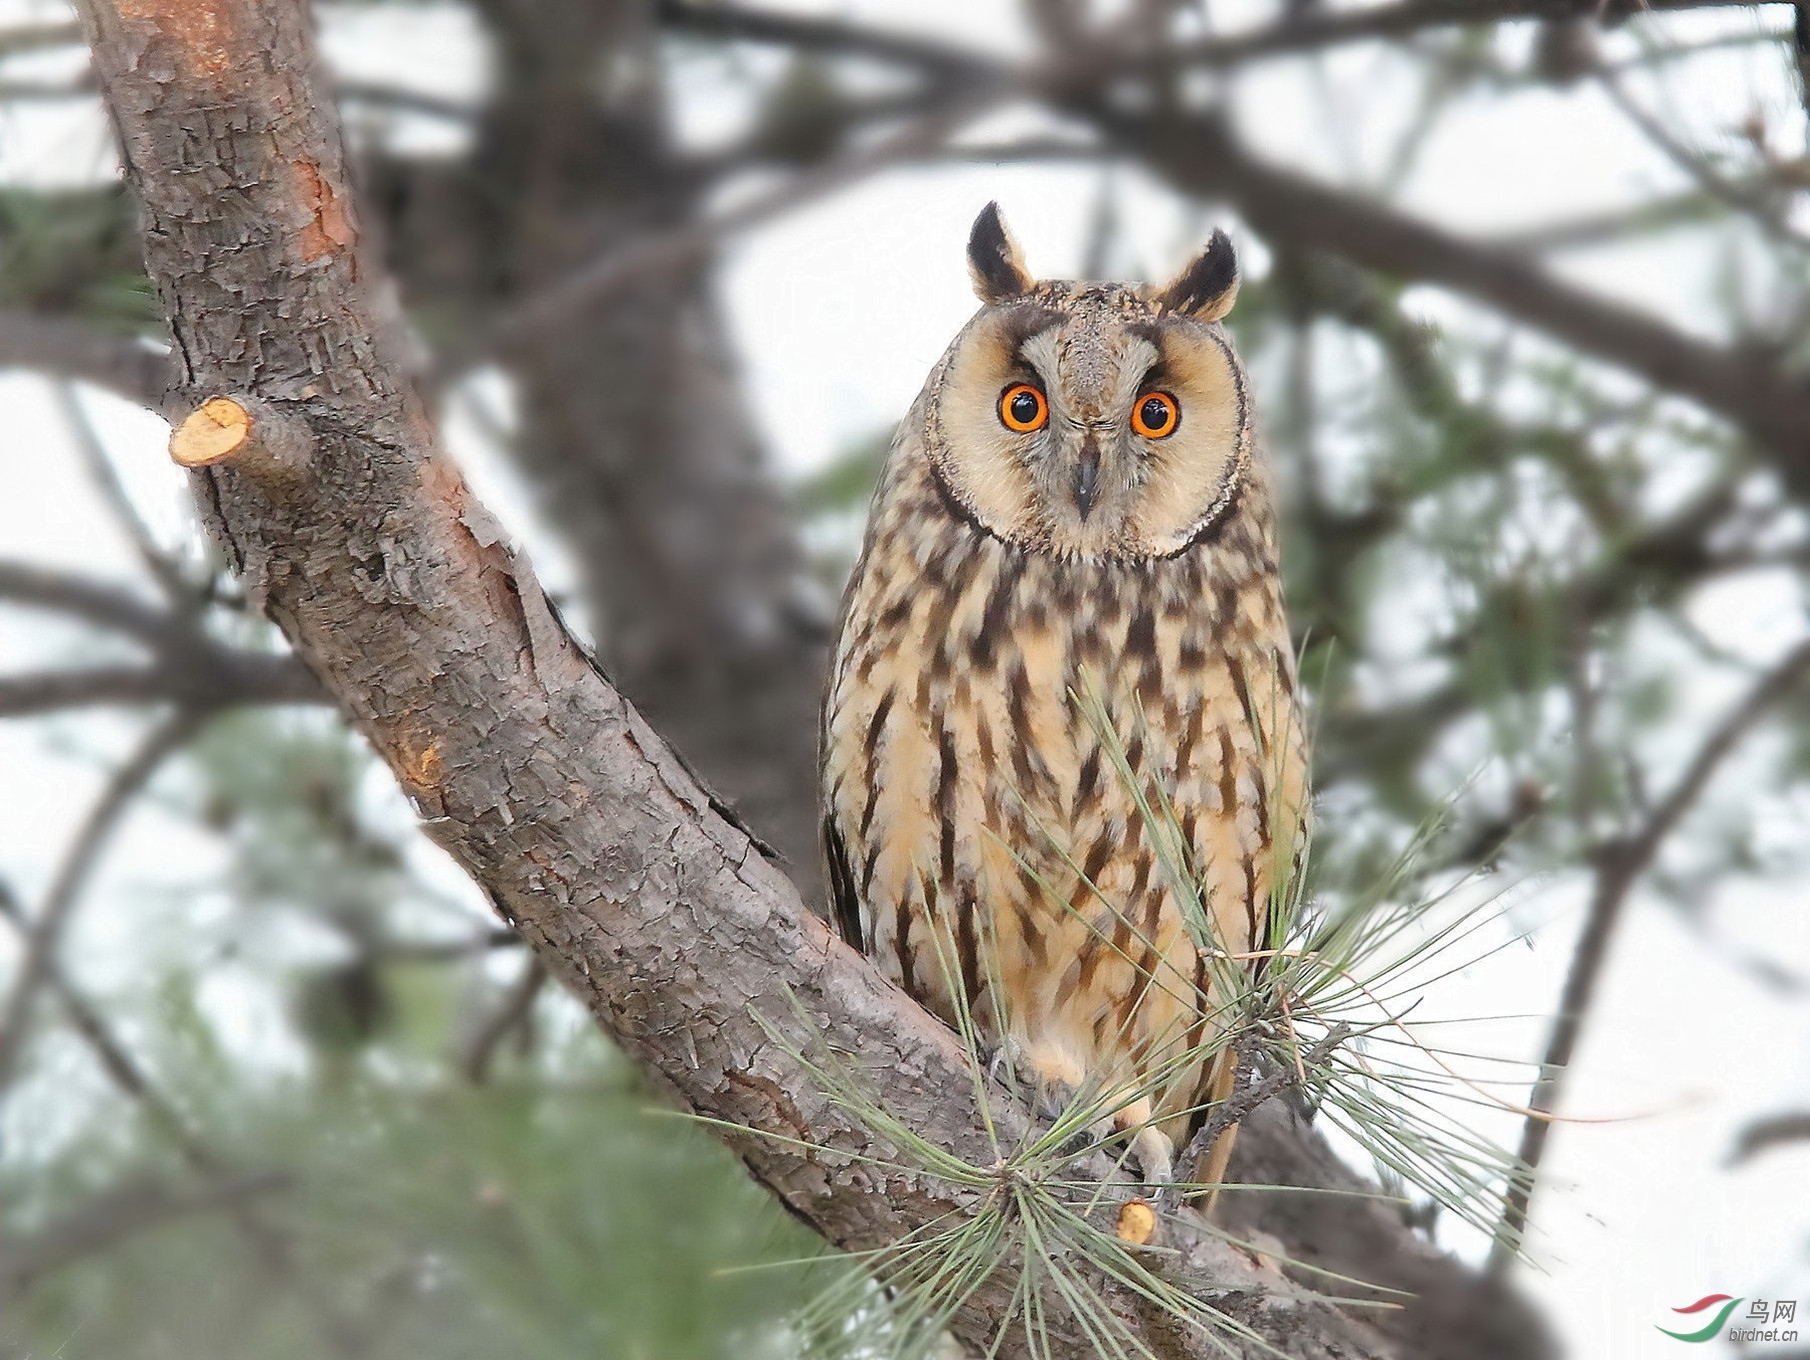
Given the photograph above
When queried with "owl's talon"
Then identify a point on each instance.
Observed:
(1151, 1147)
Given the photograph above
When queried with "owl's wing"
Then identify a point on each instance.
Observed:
(843, 902)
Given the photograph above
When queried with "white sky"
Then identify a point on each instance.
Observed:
(841, 310)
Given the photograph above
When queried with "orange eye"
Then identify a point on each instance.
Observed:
(1023, 409)
(1156, 416)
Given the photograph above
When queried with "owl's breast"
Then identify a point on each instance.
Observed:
(999, 844)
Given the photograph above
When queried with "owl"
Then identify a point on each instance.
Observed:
(1062, 764)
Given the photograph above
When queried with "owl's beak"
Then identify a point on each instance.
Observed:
(1087, 477)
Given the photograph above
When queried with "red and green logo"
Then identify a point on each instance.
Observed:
(1715, 1325)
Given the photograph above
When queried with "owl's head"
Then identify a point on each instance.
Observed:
(1092, 420)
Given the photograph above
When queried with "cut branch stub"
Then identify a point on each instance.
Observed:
(248, 432)
(217, 430)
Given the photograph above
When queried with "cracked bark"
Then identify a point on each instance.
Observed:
(355, 533)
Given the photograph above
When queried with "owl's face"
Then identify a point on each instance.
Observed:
(1092, 420)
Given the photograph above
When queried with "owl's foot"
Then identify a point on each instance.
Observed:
(1155, 1160)
(1049, 1089)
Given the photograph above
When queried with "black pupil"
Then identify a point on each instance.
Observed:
(1156, 413)
(1024, 407)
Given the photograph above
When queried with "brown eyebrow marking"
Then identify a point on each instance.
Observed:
(1025, 322)
(1157, 375)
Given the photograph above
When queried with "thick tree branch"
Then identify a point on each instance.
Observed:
(366, 547)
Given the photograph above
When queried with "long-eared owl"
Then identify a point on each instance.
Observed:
(1073, 533)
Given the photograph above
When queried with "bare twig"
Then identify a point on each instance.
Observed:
(163, 568)
(1295, 33)
(45, 932)
(514, 1010)
(1248, 1095)
(1743, 197)
(1027, 149)
(1325, 27)
(1770, 1132)
(95, 601)
(187, 666)
(443, 951)
(833, 37)
(624, 265)
(76, 349)
(38, 37)
(1800, 48)
(207, 679)
(268, 1243)
(44, 91)
(1619, 866)
(1596, 229)
(120, 1067)
(391, 99)
(118, 1214)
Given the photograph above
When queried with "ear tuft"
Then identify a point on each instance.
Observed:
(994, 261)
(1206, 289)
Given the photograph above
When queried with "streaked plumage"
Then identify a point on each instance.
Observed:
(1004, 573)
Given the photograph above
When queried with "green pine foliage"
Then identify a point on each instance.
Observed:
(322, 1176)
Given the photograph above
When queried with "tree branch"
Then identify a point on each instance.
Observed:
(182, 597)
(1619, 866)
(214, 679)
(45, 931)
(622, 266)
(1324, 27)
(77, 349)
(1770, 213)
(1199, 155)
(1772, 1131)
(357, 533)
(187, 668)
(104, 605)
(268, 1243)
(38, 37)
(118, 1214)
(512, 1011)
(1297, 32)
(1247, 1095)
